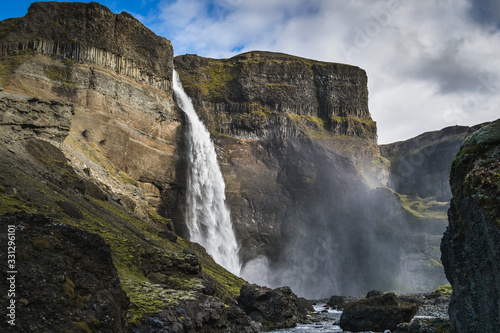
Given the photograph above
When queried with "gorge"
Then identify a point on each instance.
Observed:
(98, 140)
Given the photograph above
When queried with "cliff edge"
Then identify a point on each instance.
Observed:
(470, 252)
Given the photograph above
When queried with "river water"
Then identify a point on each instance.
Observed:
(326, 324)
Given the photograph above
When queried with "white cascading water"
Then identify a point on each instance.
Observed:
(207, 217)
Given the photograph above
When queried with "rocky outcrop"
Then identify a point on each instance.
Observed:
(91, 34)
(470, 251)
(421, 166)
(273, 308)
(378, 313)
(65, 279)
(34, 117)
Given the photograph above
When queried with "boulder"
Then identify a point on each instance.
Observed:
(377, 313)
(204, 314)
(470, 251)
(274, 308)
(336, 302)
(304, 306)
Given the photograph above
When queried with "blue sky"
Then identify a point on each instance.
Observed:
(430, 64)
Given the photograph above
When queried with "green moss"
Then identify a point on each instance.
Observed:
(446, 289)
(311, 127)
(433, 263)
(69, 288)
(423, 208)
(221, 74)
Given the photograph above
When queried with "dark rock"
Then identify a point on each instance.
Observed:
(72, 285)
(421, 165)
(170, 236)
(470, 251)
(377, 313)
(374, 293)
(70, 209)
(274, 308)
(91, 33)
(336, 302)
(189, 251)
(303, 305)
(425, 325)
(206, 314)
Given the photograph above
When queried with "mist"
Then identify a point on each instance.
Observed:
(340, 237)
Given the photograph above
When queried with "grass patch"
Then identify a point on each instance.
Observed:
(423, 208)
(446, 289)
(61, 74)
(9, 63)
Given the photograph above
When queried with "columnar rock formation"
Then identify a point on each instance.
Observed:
(470, 251)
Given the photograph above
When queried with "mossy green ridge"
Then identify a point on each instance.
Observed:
(424, 208)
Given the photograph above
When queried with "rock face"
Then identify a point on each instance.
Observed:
(377, 313)
(35, 117)
(255, 92)
(66, 279)
(470, 252)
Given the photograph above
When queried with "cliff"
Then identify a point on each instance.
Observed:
(470, 251)
(421, 165)
(260, 95)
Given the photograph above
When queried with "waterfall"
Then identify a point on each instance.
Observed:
(207, 217)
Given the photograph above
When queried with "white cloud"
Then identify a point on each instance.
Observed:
(430, 64)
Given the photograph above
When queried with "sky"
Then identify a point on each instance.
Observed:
(430, 64)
